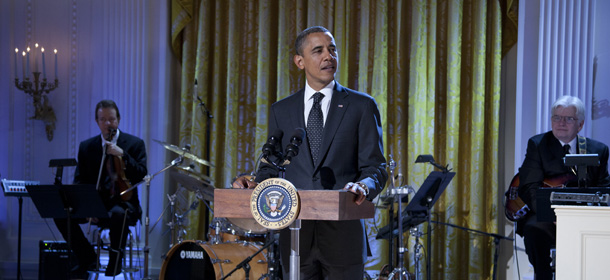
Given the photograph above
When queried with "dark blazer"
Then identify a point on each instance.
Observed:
(544, 159)
(89, 159)
(352, 150)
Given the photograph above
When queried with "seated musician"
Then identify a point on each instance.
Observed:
(120, 149)
(544, 160)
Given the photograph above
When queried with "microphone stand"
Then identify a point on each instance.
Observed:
(497, 239)
(208, 124)
(245, 264)
(294, 230)
(147, 180)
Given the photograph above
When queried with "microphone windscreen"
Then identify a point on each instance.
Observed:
(298, 135)
(276, 135)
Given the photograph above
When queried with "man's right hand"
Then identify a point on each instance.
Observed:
(244, 182)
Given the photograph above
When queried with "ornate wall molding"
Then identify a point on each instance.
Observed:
(565, 55)
(29, 124)
(72, 92)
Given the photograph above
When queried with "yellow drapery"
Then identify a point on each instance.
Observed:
(432, 66)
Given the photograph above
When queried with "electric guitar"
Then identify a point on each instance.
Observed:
(515, 209)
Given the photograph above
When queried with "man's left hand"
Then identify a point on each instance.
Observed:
(358, 190)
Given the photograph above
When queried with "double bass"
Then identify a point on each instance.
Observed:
(116, 171)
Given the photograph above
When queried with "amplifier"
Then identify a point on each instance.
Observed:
(53, 260)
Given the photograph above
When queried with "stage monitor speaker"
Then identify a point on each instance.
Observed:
(53, 260)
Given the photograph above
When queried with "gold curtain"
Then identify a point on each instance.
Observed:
(432, 66)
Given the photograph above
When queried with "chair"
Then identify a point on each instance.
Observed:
(102, 244)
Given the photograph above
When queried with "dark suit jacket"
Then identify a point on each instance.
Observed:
(352, 150)
(544, 159)
(89, 159)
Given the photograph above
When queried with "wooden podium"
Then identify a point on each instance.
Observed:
(328, 205)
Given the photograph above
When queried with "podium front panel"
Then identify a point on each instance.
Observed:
(328, 205)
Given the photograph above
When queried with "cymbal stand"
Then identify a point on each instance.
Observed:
(172, 223)
(180, 218)
(414, 231)
(398, 193)
(400, 269)
(170, 205)
(147, 180)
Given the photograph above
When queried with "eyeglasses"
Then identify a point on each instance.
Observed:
(568, 120)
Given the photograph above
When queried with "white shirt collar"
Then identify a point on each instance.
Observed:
(327, 90)
(573, 144)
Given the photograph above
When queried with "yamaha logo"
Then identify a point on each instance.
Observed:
(275, 203)
(191, 255)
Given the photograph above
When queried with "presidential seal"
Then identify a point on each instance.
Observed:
(275, 203)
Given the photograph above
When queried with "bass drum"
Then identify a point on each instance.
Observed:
(199, 260)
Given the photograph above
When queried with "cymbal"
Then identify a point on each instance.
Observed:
(185, 153)
(193, 181)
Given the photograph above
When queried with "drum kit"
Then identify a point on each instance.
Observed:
(232, 242)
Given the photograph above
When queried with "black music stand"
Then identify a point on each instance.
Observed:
(418, 210)
(581, 161)
(67, 202)
(421, 205)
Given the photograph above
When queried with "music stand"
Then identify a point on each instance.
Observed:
(581, 161)
(417, 211)
(67, 202)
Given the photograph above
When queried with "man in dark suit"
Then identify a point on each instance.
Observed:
(544, 160)
(114, 147)
(347, 135)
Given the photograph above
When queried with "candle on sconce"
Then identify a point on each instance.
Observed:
(16, 52)
(27, 65)
(36, 57)
(44, 68)
(23, 63)
(55, 50)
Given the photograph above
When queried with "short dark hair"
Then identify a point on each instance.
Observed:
(107, 104)
(298, 43)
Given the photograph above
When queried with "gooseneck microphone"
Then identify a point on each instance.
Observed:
(272, 142)
(292, 150)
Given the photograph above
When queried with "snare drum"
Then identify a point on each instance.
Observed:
(231, 230)
(199, 260)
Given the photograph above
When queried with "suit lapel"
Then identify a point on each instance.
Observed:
(338, 107)
(297, 119)
(121, 141)
(296, 109)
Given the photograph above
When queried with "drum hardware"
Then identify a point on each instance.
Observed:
(178, 219)
(184, 152)
(415, 232)
(398, 193)
(177, 161)
(418, 210)
(395, 194)
(193, 181)
(176, 223)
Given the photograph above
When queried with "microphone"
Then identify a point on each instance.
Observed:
(292, 150)
(272, 142)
